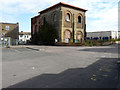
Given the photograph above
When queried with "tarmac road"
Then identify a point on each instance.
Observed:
(60, 67)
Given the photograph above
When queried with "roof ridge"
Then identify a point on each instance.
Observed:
(61, 3)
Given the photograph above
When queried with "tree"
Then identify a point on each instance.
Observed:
(46, 35)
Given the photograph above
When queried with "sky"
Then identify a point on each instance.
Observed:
(102, 15)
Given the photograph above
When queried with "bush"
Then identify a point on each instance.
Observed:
(46, 35)
(95, 42)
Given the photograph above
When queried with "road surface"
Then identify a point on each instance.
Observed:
(60, 67)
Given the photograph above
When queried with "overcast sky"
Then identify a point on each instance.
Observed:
(102, 15)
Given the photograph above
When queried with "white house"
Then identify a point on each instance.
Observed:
(103, 35)
(24, 37)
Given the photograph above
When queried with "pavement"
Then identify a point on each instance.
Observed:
(31, 66)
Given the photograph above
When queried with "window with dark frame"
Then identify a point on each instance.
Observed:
(79, 19)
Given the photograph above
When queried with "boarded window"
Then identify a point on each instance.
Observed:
(67, 34)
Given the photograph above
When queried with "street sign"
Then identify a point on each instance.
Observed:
(2, 39)
(3, 34)
(66, 40)
(6, 39)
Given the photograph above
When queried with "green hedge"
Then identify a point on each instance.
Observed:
(95, 42)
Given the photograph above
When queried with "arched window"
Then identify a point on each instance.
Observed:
(44, 20)
(79, 35)
(54, 17)
(79, 19)
(68, 17)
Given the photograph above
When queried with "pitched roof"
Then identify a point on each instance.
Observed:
(35, 17)
(8, 23)
(24, 33)
(62, 4)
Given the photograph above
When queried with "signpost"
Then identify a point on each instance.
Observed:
(5, 41)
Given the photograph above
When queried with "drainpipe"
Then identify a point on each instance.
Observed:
(85, 33)
(60, 34)
(73, 29)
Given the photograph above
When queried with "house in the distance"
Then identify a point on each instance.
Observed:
(24, 37)
(9, 33)
(69, 21)
(103, 35)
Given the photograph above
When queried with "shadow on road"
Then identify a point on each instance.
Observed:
(101, 74)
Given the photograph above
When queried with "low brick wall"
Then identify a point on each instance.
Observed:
(68, 44)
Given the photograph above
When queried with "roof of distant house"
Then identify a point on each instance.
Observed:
(62, 4)
(24, 33)
(8, 23)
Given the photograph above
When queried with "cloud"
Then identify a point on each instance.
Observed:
(108, 19)
(101, 15)
(22, 6)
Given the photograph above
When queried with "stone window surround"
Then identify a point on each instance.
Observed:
(82, 19)
(76, 16)
(54, 17)
(54, 13)
(41, 19)
(67, 17)
(68, 12)
(44, 19)
(69, 31)
(79, 19)
(79, 32)
(79, 14)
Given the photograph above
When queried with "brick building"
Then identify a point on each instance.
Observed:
(10, 31)
(70, 22)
